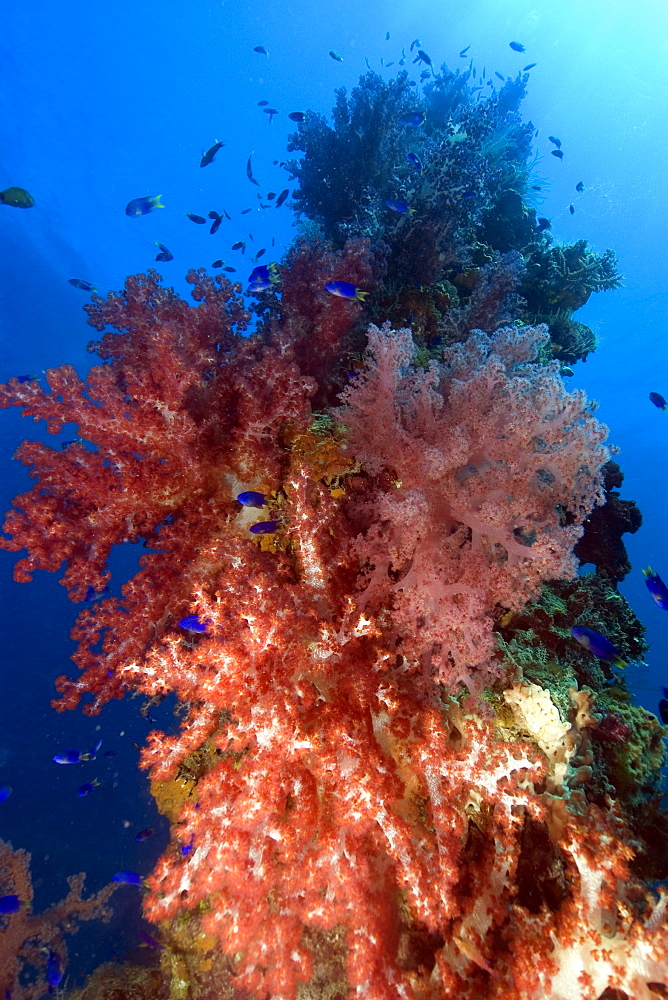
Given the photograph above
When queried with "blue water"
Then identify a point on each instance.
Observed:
(104, 103)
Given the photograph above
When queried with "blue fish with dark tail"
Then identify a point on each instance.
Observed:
(656, 587)
(251, 498)
(663, 707)
(193, 623)
(142, 206)
(598, 645)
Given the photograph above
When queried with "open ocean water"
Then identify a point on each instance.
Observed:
(103, 103)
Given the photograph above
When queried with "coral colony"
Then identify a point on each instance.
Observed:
(395, 773)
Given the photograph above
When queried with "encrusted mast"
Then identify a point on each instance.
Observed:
(374, 789)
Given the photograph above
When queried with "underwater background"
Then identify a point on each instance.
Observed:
(105, 103)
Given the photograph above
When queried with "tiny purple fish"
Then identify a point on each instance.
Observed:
(127, 878)
(193, 623)
(263, 527)
(251, 498)
(69, 757)
(657, 588)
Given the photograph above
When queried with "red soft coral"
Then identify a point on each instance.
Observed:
(486, 469)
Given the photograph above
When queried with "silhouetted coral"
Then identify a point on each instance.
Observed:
(601, 543)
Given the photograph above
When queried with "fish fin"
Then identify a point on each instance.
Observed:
(156, 201)
(359, 294)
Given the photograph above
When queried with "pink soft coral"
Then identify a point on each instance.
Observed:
(483, 459)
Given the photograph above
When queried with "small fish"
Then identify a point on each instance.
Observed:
(416, 42)
(525, 69)
(217, 219)
(69, 757)
(16, 197)
(387, 36)
(556, 142)
(218, 263)
(462, 54)
(199, 220)
(261, 49)
(263, 276)
(144, 835)
(579, 187)
(10, 903)
(164, 254)
(597, 645)
(259, 254)
(210, 153)
(536, 187)
(271, 112)
(92, 594)
(399, 205)
(336, 55)
(500, 75)
(571, 209)
(663, 710)
(558, 153)
(251, 498)
(262, 104)
(142, 206)
(658, 400)
(516, 46)
(91, 754)
(151, 941)
(54, 968)
(415, 161)
(193, 623)
(425, 74)
(249, 175)
(412, 119)
(270, 195)
(423, 57)
(657, 588)
(26, 378)
(86, 789)
(346, 290)
(128, 878)
(297, 116)
(468, 196)
(263, 528)
(566, 372)
(281, 198)
(85, 286)
(239, 245)
(544, 224)
(230, 270)
(5, 792)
